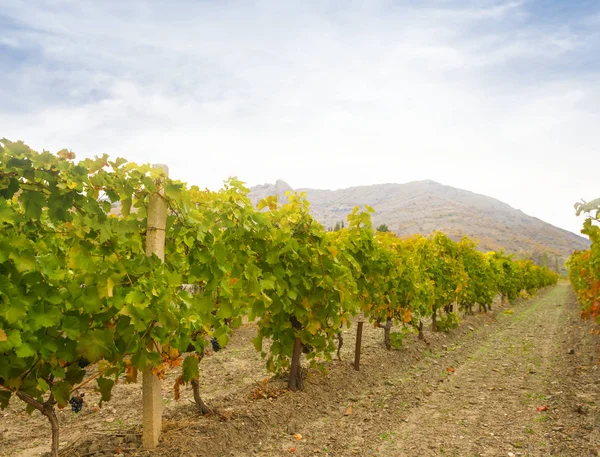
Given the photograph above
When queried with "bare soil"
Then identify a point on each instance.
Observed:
(472, 392)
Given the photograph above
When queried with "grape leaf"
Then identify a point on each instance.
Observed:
(190, 368)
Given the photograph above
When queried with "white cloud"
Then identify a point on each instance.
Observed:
(321, 94)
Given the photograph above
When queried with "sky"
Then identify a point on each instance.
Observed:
(497, 97)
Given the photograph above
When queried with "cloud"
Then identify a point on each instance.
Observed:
(482, 95)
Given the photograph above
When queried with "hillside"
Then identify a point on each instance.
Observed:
(425, 206)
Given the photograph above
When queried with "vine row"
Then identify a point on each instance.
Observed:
(77, 286)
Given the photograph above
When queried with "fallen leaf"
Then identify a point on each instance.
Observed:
(297, 436)
(348, 411)
(225, 415)
(542, 408)
(450, 370)
(292, 449)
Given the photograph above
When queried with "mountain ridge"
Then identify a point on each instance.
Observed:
(425, 206)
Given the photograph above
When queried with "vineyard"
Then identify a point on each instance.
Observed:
(108, 268)
(584, 266)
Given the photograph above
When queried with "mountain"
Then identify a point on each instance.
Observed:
(426, 206)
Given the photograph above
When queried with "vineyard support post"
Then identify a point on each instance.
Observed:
(359, 329)
(151, 385)
(295, 368)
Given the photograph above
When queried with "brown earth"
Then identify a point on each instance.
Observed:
(472, 392)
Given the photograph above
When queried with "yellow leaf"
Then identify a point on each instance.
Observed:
(3, 336)
(333, 250)
(313, 327)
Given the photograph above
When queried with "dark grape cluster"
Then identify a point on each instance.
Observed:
(307, 348)
(215, 345)
(76, 403)
(295, 323)
(83, 362)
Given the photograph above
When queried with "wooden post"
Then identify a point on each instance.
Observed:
(455, 307)
(151, 386)
(295, 368)
(359, 329)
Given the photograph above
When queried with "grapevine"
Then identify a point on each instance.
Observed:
(78, 288)
(584, 266)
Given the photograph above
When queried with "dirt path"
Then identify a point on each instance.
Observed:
(472, 392)
(488, 407)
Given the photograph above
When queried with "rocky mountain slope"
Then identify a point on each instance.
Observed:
(426, 206)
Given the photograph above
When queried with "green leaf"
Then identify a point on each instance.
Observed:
(267, 284)
(257, 343)
(190, 369)
(75, 374)
(23, 262)
(126, 207)
(222, 336)
(105, 386)
(96, 344)
(42, 385)
(33, 203)
(62, 393)
(225, 310)
(13, 340)
(25, 350)
(45, 317)
(59, 206)
(7, 214)
(71, 325)
(11, 189)
(267, 300)
(137, 298)
(204, 304)
(118, 162)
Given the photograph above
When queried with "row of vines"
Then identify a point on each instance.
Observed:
(77, 286)
(584, 266)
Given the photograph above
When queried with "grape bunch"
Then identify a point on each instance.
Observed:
(215, 345)
(83, 362)
(76, 403)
